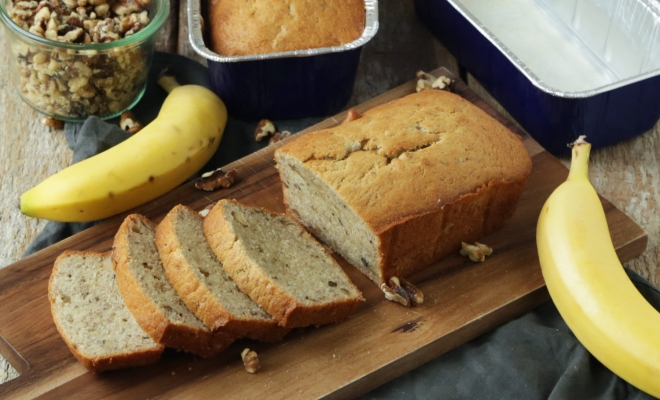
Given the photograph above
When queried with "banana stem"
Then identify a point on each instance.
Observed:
(168, 82)
(580, 159)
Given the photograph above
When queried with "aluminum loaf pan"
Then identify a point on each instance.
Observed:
(286, 85)
(562, 68)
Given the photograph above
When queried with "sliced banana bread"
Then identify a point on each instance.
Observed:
(91, 316)
(279, 265)
(196, 274)
(151, 298)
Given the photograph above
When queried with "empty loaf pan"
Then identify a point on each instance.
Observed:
(562, 68)
(286, 85)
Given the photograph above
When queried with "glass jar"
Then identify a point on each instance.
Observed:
(71, 81)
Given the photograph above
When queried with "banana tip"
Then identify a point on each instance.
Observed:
(580, 140)
(21, 204)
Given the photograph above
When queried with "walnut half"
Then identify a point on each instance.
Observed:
(426, 81)
(213, 180)
(403, 292)
(250, 360)
(477, 252)
(129, 123)
(264, 129)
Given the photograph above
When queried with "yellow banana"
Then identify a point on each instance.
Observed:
(588, 284)
(161, 156)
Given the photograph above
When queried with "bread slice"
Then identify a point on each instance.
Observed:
(91, 316)
(196, 274)
(151, 298)
(279, 265)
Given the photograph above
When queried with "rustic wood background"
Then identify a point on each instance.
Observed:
(627, 174)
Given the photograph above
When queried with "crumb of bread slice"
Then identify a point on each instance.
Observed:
(151, 298)
(90, 314)
(198, 277)
(279, 265)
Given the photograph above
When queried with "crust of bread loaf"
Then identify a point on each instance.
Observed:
(98, 364)
(419, 221)
(251, 280)
(413, 244)
(179, 336)
(241, 28)
(198, 298)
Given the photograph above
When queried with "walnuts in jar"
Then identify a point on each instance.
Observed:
(73, 82)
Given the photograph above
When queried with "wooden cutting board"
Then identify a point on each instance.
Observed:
(380, 342)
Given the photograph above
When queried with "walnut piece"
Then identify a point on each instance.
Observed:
(442, 83)
(206, 210)
(424, 75)
(403, 292)
(250, 360)
(279, 136)
(267, 128)
(238, 216)
(426, 81)
(476, 252)
(264, 129)
(423, 84)
(129, 123)
(213, 180)
(53, 123)
(351, 115)
(127, 7)
(73, 21)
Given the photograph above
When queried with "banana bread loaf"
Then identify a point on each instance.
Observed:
(406, 183)
(240, 27)
(279, 265)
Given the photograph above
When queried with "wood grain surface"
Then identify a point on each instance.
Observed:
(627, 174)
(381, 341)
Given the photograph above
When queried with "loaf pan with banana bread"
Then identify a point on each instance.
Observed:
(282, 59)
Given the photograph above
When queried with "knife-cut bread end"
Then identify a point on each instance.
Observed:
(91, 315)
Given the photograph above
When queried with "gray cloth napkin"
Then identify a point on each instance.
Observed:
(533, 357)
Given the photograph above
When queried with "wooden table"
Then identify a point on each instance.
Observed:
(627, 174)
